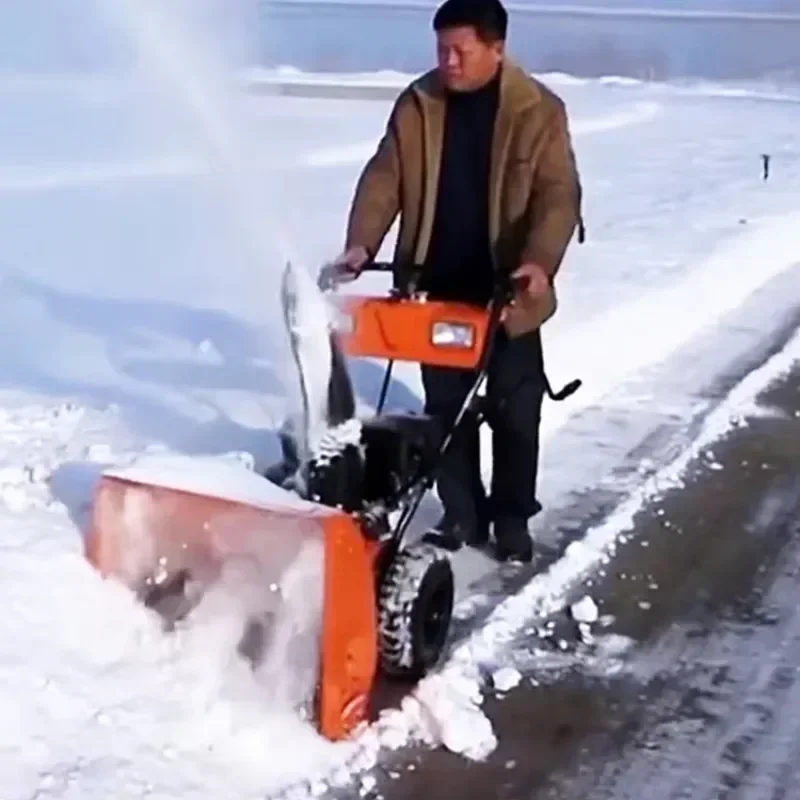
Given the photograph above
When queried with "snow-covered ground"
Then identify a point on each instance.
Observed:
(140, 257)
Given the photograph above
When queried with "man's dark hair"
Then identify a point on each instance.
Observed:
(489, 18)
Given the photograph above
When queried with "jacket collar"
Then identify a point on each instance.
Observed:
(517, 91)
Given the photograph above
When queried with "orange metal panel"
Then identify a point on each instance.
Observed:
(403, 330)
(142, 533)
(350, 628)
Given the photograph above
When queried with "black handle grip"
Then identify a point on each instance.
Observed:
(378, 266)
(333, 274)
(508, 286)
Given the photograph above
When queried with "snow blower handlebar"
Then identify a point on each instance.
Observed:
(407, 279)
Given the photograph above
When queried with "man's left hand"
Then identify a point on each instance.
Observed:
(537, 280)
(531, 305)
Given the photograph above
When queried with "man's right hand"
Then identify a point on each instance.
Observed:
(349, 264)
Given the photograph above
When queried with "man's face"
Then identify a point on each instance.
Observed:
(465, 62)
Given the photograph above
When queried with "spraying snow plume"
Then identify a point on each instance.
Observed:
(327, 421)
(185, 86)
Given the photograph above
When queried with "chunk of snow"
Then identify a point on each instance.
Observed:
(506, 678)
(585, 610)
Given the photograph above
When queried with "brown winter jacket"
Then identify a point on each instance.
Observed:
(534, 183)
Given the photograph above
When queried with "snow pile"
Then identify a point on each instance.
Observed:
(445, 710)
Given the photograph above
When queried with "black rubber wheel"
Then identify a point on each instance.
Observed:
(415, 606)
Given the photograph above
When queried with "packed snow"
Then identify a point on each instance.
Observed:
(228, 478)
(145, 226)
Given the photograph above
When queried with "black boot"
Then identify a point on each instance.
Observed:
(453, 534)
(512, 540)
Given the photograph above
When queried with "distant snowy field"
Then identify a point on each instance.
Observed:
(140, 310)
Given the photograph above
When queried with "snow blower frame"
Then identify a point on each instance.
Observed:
(407, 326)
(388, 600)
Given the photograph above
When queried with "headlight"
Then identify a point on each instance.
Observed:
(453, 334)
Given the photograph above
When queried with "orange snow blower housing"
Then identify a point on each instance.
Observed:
(387, 596)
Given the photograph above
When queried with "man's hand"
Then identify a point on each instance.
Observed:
(538, 282)
(531, 305)
(353, 260)
(348, 265)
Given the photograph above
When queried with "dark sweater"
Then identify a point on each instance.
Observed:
(458, 264)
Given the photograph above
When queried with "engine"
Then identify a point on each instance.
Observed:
(398, 447)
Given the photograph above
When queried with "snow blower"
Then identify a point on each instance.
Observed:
(167, 530)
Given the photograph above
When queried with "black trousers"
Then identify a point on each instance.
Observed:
(515, 389)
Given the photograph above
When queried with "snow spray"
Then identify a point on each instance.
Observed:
(176, 52)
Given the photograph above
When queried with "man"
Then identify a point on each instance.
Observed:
(477, 161)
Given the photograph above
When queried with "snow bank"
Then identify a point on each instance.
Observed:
(391, 79)
(670, 316)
